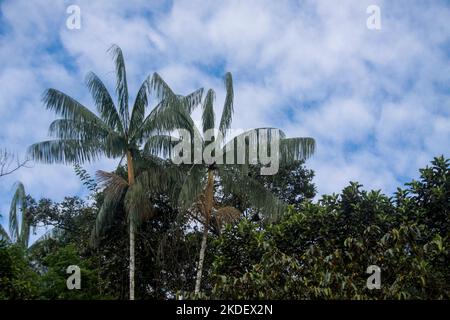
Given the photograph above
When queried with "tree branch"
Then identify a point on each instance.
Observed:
(7, 165)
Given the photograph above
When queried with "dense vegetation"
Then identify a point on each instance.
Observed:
(157, 229)
(316, 250)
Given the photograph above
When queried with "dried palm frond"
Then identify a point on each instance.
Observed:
(226, 215)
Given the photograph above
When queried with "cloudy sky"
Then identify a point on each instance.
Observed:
(376, 101)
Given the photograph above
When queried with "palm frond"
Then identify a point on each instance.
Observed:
(161, 177)
(137, 203)
(121, 84)
(162, 90)
(112, 142)
(24, 236)
(138, 112)
(103, 102)
(74, 129)
(68, 151)
(153, 176)
(114, 184)
(293, 149)
(192, 100)
(165, 94)
(163, 118)
(4, 235)
(161, 145)
(69, 108)
(147, 161)
(226, 215)
(193, 185)
(234, 182)
(18, 200)
(105, 216)
(208, 111)
(53, 233)
(227, 112)
(170, 113)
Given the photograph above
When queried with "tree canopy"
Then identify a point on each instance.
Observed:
(319, 249)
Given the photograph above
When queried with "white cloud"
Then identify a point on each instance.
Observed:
(377, 102)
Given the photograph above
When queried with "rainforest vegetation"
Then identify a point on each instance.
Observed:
(152, 229)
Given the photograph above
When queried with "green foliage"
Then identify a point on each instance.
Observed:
(227, 113)
(292, 184)
(322, 251)
(316, 250)
(311, 251)
(53, 281)
(17, 279)
(85, 177)
(431, 195)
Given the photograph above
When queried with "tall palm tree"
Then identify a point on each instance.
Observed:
(199, 185)
(81, 135)
(19, 226)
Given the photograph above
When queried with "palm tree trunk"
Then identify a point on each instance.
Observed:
(200, 260)
(132, 226)
(132, 262)
(207, 205)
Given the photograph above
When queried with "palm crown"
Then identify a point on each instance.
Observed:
(198, 186)
(81, 135)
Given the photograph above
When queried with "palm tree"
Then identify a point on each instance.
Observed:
(199, 185)
(83, 136)
(19, 232)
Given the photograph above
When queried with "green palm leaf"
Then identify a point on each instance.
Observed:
(53, 233)
(68, 151)
(103, 102)
(192, 100)
(74, 129)
(234, 182)
(163, 118)
(208, 111)
(138, 112)
(160, 176)
(18, 232)
(4, 235)
(68, 108)
(165, 94)
(105, 216)
(121, 85)
(293, 149)
(193, 185)
(227, 112)
(160, 145)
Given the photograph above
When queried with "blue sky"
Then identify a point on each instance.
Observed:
(376, 101)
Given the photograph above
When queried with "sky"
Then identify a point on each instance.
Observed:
(377, 101)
